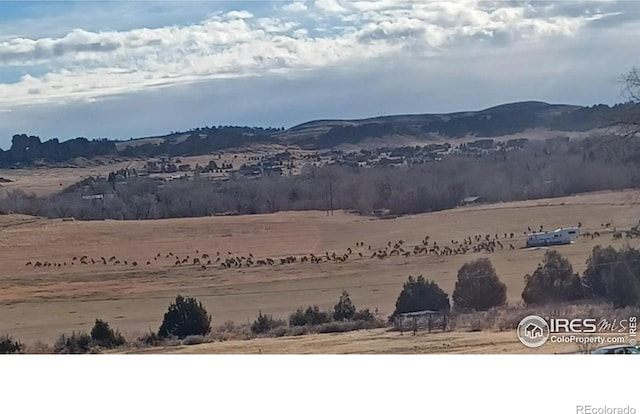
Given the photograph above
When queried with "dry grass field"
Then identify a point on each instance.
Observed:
(375, 341)
(39, 303)
(43, 181)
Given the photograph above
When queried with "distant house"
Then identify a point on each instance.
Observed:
(93, 197)
(516, 143)
(471, 200)
(152, 167)
(391, 161)
(481, 144)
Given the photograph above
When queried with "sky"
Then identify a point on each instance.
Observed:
(121, 69)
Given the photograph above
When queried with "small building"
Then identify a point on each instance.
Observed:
(485, 144)
(93, 197)
(426, 319)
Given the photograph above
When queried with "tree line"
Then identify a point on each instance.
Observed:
(612, 276)
(539, 170)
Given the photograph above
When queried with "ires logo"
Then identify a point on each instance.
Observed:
(633, 330)
(560, 325)
(534, 331)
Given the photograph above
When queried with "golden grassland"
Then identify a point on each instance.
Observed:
(374, 341)
(41, 303)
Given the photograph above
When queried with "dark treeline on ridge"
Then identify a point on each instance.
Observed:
(514, 118)
(537, 171)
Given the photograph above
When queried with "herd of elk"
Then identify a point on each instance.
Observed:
(475, 243)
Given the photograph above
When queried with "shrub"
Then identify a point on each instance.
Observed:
(478, 287)
(230, 330)
(297, 318)
(279, 332)
(185, 317)
(552, 282)
(364, 315)
(9, 346)
(77, 343)
(265, 323)
(102, 335)
(614, 275)
(344, 309)
(310, 316)
(151, 339)
(337, 326)
(298, 330)
(193, 340)
(599, 267)
(347, 326)
(39, 347)
(419, 295)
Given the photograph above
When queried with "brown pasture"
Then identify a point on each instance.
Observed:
(43, 181)
(41, 303)
(374, 341)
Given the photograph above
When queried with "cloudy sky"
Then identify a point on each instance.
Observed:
(129, 69)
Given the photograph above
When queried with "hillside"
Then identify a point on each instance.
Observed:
(507, 119)
(500, 120)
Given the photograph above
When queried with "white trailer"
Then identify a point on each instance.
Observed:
(555, 237)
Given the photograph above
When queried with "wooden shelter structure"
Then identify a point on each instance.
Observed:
(421, 319)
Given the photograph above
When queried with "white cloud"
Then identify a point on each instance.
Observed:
(242, 14)
(296, 6)
(330, 6)
(84, 64)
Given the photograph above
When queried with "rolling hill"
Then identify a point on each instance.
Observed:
(507, 119)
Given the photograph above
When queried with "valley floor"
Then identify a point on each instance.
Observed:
(40, 303)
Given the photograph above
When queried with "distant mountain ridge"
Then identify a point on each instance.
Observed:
(499, 120)
(505, 119)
